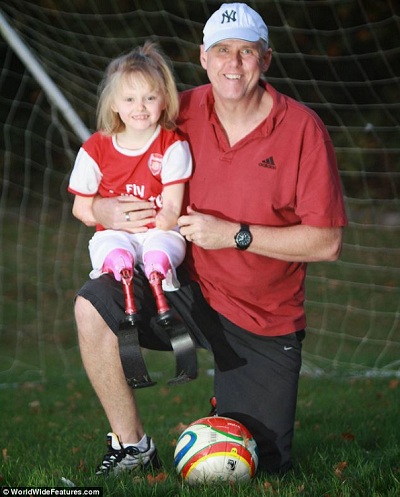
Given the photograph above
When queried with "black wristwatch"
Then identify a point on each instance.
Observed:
(243, 237)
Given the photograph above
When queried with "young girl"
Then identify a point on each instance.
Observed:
(135, 152)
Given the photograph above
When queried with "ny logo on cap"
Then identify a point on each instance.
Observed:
(228, 16)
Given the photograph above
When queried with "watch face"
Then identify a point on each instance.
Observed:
(243, 239)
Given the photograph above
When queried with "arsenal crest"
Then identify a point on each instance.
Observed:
(155, 164)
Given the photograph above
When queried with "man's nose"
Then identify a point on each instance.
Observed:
(236, 58)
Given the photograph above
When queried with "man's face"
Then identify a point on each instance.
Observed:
(234, 67)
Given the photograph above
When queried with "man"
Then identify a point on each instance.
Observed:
(265, 199)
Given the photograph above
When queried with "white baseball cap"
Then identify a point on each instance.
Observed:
(234, 21)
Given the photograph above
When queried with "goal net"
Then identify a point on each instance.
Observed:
(341, 58)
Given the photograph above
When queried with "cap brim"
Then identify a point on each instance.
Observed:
(231, 34)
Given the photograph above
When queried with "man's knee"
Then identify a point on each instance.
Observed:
(93, 331)
(83, 310)
(88, 320)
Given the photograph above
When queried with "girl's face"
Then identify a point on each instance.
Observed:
(138, 105)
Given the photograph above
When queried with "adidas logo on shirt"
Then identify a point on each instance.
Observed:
(268, 162)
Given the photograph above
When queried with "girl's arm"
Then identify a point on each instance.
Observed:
(83, 210)
(167, 217)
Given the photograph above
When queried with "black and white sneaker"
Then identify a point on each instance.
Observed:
(119, 458)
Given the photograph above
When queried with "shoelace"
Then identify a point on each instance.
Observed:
(114, 456)
(111, 459)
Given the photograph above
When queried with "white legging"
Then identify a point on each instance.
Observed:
(138, 244)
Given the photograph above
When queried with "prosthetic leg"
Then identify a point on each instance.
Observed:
(157, 266)
(181, 341)
(120, 262)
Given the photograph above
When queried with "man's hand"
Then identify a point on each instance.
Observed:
(207, 231)
(124, 213)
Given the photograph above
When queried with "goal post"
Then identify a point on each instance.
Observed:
(44, 81)
(340, 58)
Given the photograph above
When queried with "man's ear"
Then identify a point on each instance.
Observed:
(266, 61)
(203, 57)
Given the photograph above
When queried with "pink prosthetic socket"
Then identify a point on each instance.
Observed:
(116, 261)
(156, 260)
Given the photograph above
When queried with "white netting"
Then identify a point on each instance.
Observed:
(339, 57)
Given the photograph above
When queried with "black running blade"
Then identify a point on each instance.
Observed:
(183, 347)
(133, 364)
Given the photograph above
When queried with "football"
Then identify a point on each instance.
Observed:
(216, 449)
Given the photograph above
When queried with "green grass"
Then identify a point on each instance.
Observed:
(347, 441)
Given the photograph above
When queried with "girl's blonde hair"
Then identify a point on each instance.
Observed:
(149, 63)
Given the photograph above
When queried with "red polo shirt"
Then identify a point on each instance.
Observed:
(283, 173)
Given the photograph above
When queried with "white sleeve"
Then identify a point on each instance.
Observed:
(86, 175)
(177, 163)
